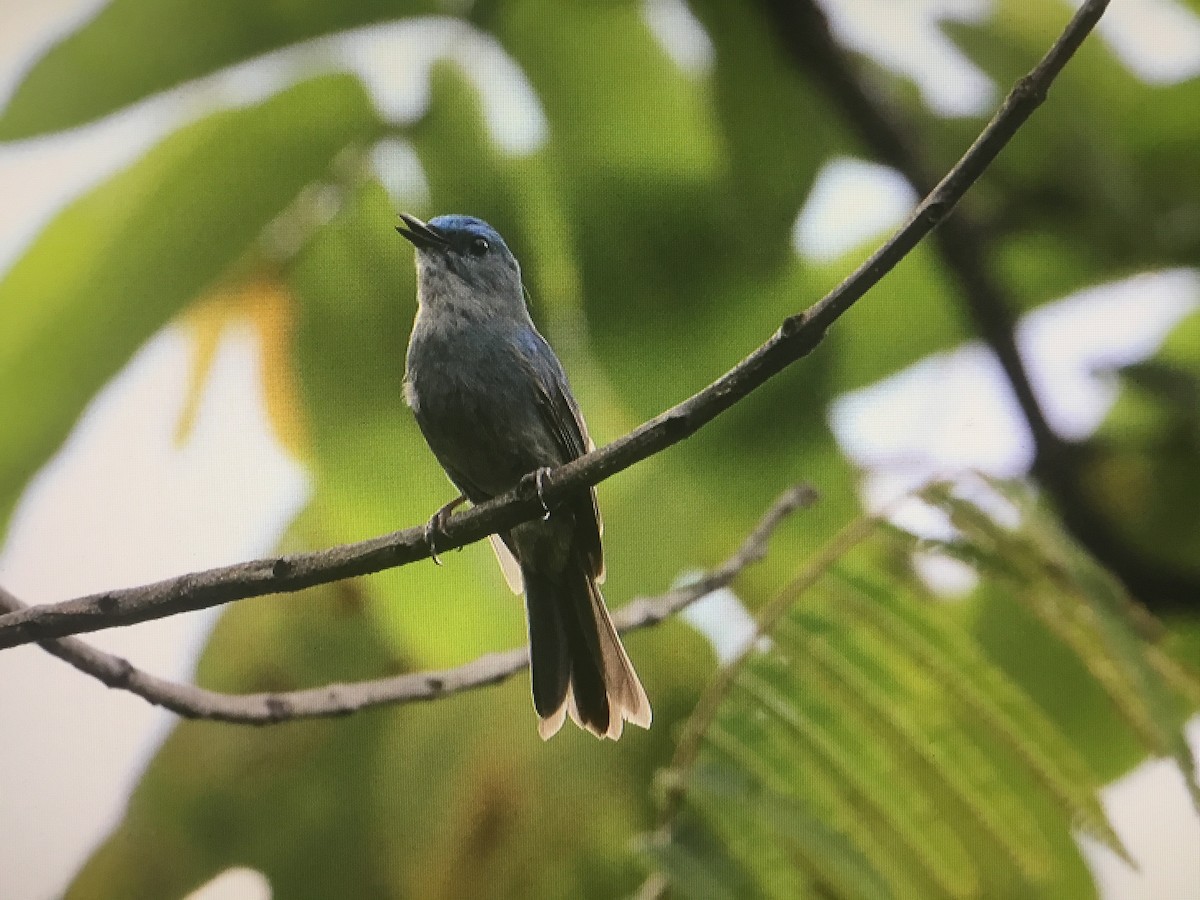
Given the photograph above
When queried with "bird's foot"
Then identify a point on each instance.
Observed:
(437, 523)
(538, 478)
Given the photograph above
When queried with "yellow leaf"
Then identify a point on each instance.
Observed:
(266, 306)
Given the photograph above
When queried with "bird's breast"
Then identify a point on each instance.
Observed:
(476, 407)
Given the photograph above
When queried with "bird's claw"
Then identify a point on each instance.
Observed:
(538, 478)
(435, 525)
(431, 531)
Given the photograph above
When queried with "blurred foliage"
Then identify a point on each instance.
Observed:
(1115, 154)
(654, 225)
(118, 263)
(458, 798)
(1146, 451)
(866, 746)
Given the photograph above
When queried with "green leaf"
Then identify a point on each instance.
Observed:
(120, 262)
(873, 711)
(1086, 609)
(92, 72)
(942, 651)
(834, 862)
(954, 765)
(879, 801)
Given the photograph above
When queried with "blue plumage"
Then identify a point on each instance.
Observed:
(494, 405)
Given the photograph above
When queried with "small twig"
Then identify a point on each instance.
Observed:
(798, 336)
(342, 699)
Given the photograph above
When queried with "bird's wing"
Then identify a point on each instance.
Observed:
(562, 417)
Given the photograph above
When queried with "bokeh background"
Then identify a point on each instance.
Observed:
(203, 315)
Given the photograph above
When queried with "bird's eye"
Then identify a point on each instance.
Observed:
(479, 246)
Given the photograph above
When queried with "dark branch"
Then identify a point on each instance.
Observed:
(798, 336)
(1058, 464)
(341, 699)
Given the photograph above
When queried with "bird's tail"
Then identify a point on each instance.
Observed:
(578, 664)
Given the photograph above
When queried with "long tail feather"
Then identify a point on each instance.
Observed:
(579, 666)
(549, 659)
(626, 696)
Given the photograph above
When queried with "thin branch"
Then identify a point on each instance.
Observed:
(798, 336)
(804, 31)
(342, 699)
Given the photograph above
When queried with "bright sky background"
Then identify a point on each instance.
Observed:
(125, 505)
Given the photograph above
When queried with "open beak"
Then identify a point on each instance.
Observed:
(422, 236)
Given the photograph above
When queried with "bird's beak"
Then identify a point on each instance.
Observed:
(422, 236)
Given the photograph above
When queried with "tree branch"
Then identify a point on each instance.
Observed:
(341, 699)
(798, 336)
(804, 31)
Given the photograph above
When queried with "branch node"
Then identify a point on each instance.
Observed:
(278, 708)
(677, 423)
(934, 208)
(793, 325)
(1029, 89)
(122, 672)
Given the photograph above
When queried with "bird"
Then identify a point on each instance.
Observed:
(494, 405)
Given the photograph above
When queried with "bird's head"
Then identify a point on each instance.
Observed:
(458, 254)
